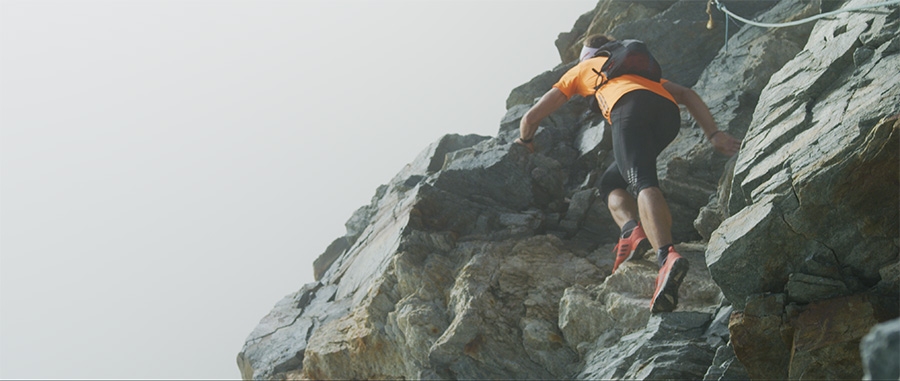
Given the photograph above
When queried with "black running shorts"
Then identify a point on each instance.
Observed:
(643, 124)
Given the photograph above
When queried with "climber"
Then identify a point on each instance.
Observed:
(644, 118)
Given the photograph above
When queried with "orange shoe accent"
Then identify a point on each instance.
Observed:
(625, 249)
(665, 298)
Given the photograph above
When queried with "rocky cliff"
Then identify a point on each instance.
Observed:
(479, 260)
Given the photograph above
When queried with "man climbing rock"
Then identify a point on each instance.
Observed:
(644, 116)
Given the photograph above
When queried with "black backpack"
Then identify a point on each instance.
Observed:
(625, 57)
(628, 57)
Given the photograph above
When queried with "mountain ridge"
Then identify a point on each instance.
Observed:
(480, 260)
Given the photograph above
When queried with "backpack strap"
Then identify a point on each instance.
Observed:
(599, 82)
(594, 103)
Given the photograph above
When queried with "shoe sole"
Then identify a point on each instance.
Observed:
(667, 299)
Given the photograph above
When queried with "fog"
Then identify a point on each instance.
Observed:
(169, 170)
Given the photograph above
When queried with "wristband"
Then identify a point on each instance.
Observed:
(526, 141)
(713, 134)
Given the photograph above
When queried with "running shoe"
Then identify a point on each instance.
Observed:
(665, 298)
(636, 242)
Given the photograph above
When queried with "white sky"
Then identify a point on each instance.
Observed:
(170, 169)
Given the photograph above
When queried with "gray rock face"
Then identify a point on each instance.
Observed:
(480, 260)
(731, 85)
(527, 93)
(611, 326)
(814, 155)
(277, 345)
(670, 347)
(813, 200)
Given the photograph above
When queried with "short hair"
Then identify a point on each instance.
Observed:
(597, 40)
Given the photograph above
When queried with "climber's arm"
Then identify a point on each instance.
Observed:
(550, 102)
(695, 106)
(721, 140)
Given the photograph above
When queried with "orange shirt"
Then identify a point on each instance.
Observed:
(582, 79)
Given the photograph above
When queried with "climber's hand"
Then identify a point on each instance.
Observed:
(529, 145)
(725, 143)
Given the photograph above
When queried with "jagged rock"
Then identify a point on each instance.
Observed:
(757, 338)
(597, 226)
(879, 349)
(690, 169)
(810, 159)
(578, 210)
(332, 252)
(356, 345)
(803, 288)
(600, 320)
(430, 160)
(606, 15)
(715, 212)
(725, 366)
(528, 93)
(671, 346)
(481, 260)
(486, 173)
(827, 336)
(820, 340)
(569, 43)
(622, 19)
(363, 216)
(831, 85)
(679, 29)
(591, 140)
(502, 307)
(750, 232)
(613, 309)
(278, 343)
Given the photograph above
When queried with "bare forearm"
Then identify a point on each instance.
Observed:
(528, 126)
(697, 107)
(722, 141)
(550, 102)
(701, 114)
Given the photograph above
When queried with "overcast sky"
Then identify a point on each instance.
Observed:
(169, 170)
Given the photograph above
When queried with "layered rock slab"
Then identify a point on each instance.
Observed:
(813, 204)
(812, 166)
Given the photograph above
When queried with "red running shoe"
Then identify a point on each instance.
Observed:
(625, 249)
(665, 298)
